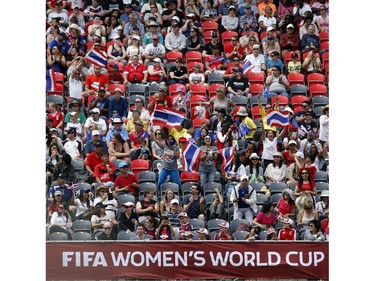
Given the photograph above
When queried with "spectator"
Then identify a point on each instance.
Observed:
(153, 48)
(60, 185)
(100, 101)
(134, 21)
(305, 189)
(324, 126)
(135, 49)
(118, 105)
(106, 196)
(265, 218)
(314, 232)
(243, 197)
(135, 72)
(113, 26)
(174, 210)
(300, 8)
(159, 98)
(254, 234)
(234, 49)
(257, 60)
(150, 226)
(254, 170)
(247, 41)
(61, 221)
(56, 116)
(128, 220)
(96, 81)
(230, 22)
(322, 21)
(322, 207)
(274, 59)
(55, 203)
(116, 51)
(72, 146)
(84, 205)
(197, 76)
(95, 139)
(109, 233)
(294, 168)
(266, 18)
(60, 12)
(165, 230)
(223, 233)
(73, 124)
(147, 206)
(286, 207)
(166, 201)
(138, 134)
(277, 82)
(238, 85)
(304, 26)
(207, 163)
(202, 110)
(145, 115)
(140, 233)
(157, 144)
(156, 72)
(65, 169)
(290, 41)
(126, 183)
(209, 10)
(56, 59)
(285, 21)
(99, 218)
(152, 9)
(248, 21)
(180, 101)
(288, 233)
(283, 6)
(294, 66)
(276, 172)
(192, 22)
(310, 41)
(217, 207)
(175, 40)
(194, 204)
(169, 13)
(185, 225)
(93, 159)
(208, 47)
(94, 9)
(269, 47)
(203, 234)
(98, 29)
(104, 172)
(136, 118)
(178, 73)
(194, 41)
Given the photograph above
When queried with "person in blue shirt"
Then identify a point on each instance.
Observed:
(117, 123)
(118, 105)
(275, 60)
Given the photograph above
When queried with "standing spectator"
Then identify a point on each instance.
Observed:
(126, 183)
(243, 197)
(194, 203)
(207, 163)
(96, 81)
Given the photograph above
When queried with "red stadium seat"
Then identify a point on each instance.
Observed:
(190, 65)
(193, 56)
(256, 89)
(298, 100)
(197, 122)
(112, 87)
(198, 89)
(324, 45)
(210, 25)
(226, 36)
(257, 78)
(58, 77)
(173, 55)
(172, 89)
(296, 78)
(318, 90)
(189, 177)
(212, 89)
(283, 100)
(139, 165)
(324, 36)
(255, 112)
(314, 78)
(207, 36)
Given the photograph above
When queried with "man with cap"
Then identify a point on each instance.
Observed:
(238, 85)
(257, 60)
(170, 12)
(117, 128)
(74, 107)
(184, 224)
(322, 206)
(105, 171)
(118, 105)
(266, 19)
(107, 199)
(223, 233)
(99, 101)
(135, 72)
(243, 197)
(94, 158)
(248, 20)
(155, 48)
(173, 213)
(175, 40)
(246, 125)
(178, 73)
(126, 183)
(62, 187)
(290, 40)
(159, 98)
(208, 47)
(72, 146)
(288, 232)
(94, 120)
(138, 134)
(203, 234)
(131, 124)
(95, 81)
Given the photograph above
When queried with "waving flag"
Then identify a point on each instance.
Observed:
(246, 66)
(97, 57)
(190, 157)
(278, 118)
(165, 117)
(50, 81)
(227, 155)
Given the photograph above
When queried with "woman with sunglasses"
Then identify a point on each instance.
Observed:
(61, 220)
(128, 220)
(84, 205)
(255, 170)
(207, 163)
(305, 188)
(277, 171)
(314, 232)
(157, 144)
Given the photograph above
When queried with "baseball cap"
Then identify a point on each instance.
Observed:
(224, 224)
(95, 133)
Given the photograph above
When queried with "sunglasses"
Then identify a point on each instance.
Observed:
(157, 133)
(244, 180)
(304, 173)
(106, 228)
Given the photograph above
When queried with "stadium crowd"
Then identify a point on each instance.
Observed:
(223, 171)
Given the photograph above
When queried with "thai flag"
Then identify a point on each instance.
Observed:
(278, 118)
(227, 155)
(165, 117)
(190, 157)
(95, 85)
(50, 81)
(97, 57)
(246, 66)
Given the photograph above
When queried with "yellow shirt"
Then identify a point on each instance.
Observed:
(179, 134)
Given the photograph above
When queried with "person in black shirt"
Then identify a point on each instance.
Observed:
(238, 84)
(178, 73)
(207, 50)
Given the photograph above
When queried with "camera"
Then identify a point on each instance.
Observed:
(110, 196)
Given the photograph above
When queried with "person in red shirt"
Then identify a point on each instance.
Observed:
(135, 72)
(290, 152)
(105, 171)
(288, 233)
(234, 50)
(125, 182)
(215, 61)
(93, 159)
(223, 234)
(161, 98)
(95, 81)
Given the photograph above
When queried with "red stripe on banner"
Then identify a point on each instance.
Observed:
(186, 260)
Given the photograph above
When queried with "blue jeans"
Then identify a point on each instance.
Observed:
(206, 177)
(175, 176)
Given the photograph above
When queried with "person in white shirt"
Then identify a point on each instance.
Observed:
(175, 40)
(257, 60)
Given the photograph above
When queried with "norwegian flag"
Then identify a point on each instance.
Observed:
(190, 157)
(227, 155)
(97, 57)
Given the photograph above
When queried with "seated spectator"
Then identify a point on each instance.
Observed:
(72, 146)
(265, 218)
(254, 234)
(138, 134)
(171, 11)
(178, 73)
(154, 48)
(202, 110)
(109, 233)
(270, 46)
(134, 22)
(84, 205)
(175, 40)
(217, 206)
(195, 40)
(230, 22)
(208, 47)
(314, 232)
(305, 24)
(266, 18)
(197, 76)
(305, 188)
(185, 225)
(104, 172)
(116, 51)
(156, 71)
(238, 85)
(248, 40)
(274, 59)
(257, 60)
(140, 233)
(99, 100)
(289, 41)
(106, 196)
(234, 49)
(310, 41)
(294, 66)
(95, 81)
(135, 72)
(193, 204)
(277, 82)
(159, 98)
(322, 207)
(174, 210)
(98, 29)
(128, 220)
(203, 234)
(209, 11)
(126, 183)
(118, 105)
(144, 113)
(254, 170)
(223, 233)
(215, 62)
(94, 9)
(135, 49)
(288, 233)
(150, 226)
(61, 221)
(248, 19)
(99, 218)
(57, 200)
(305, 215)
(276, 172)
(165, 230)
(147, 206)
(152, 15)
